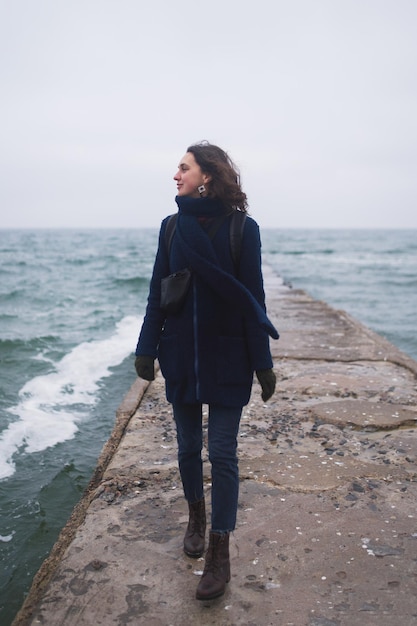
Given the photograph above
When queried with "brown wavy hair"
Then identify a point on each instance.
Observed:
(225, 178)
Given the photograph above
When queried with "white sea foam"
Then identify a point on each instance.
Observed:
(51, 406)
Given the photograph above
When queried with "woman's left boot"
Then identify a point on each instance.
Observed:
(196, 530)
(217, 568)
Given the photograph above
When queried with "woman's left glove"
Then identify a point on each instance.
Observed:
(267, 380)
(144, 366)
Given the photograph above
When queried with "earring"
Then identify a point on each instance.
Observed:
(201, 189)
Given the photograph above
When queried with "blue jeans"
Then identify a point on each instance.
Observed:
(223, 427)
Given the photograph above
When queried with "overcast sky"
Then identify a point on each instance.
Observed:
(315, 100)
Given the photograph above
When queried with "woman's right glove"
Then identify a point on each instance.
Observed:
(144, 366)
(267, 380)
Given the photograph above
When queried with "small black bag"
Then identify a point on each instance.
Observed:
(174, 289)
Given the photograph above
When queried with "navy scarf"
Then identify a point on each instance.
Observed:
(198, 250)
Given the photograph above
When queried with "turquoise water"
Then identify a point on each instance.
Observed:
(71, 305)
(372, 274)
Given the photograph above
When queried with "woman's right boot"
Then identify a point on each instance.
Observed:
(216, 572)
(196, 530)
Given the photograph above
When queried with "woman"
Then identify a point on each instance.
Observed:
(209, 350)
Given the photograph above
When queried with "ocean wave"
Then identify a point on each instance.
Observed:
(7, 316)
(12, 348)
(135, 282)
(11, 296)
(307, 252)
(52, 405)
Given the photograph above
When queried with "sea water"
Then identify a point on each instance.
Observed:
(371, 274)
(71, 307)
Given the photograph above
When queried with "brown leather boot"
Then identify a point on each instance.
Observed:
(196, 529)
(217, 568)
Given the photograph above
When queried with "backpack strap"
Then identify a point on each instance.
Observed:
(237, 224)
(170, 230)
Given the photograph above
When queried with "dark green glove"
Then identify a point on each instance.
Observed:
(144, 366)
(267, 380)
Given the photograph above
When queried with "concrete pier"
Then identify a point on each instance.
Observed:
(327, 520)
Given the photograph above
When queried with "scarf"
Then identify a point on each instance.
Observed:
(199, 252)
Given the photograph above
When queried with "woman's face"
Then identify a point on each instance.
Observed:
(189, 177)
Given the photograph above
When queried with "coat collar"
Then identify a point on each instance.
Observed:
(200, 207)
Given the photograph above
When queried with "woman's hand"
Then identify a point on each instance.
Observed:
(144, 366)
(267, 380)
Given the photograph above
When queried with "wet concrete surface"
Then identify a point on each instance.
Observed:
(327, 520)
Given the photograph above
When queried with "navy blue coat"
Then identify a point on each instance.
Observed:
(208, 351)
